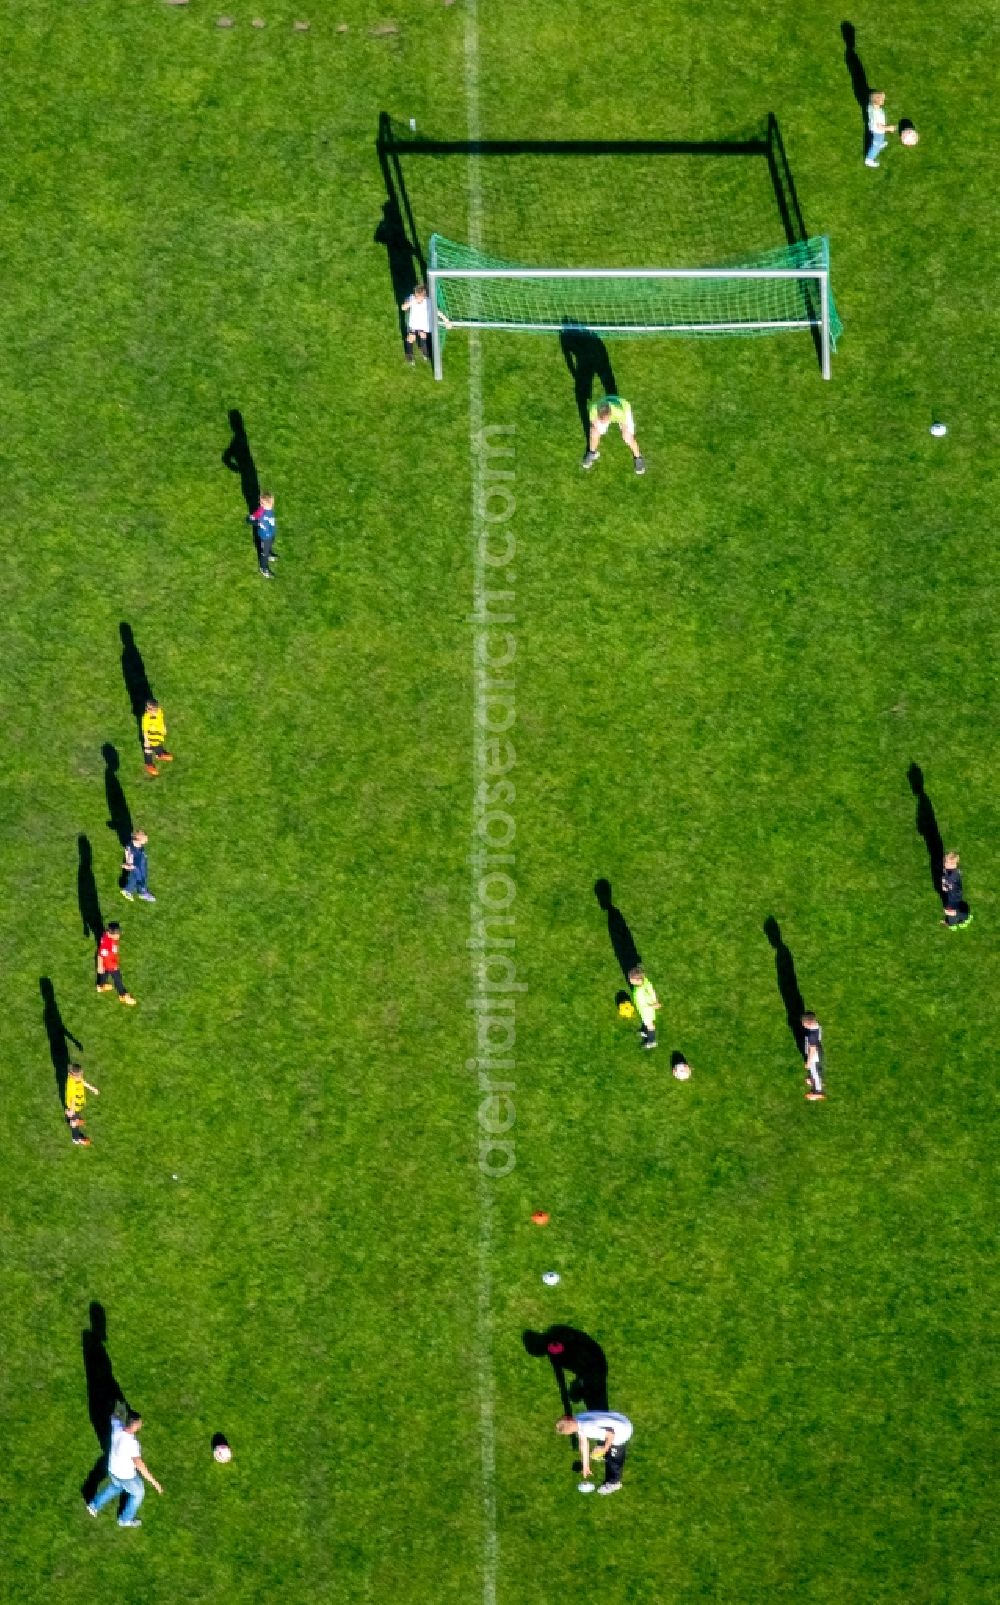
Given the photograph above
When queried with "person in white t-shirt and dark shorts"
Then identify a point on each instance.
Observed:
(417, 307)
(418, 323)
(126, 1471)
(607, 1429)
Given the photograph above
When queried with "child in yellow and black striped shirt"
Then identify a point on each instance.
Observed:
(75, 1098)
(154, 737)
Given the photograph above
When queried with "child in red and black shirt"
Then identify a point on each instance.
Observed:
(108, 970)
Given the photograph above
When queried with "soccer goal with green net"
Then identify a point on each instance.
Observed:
(770, 292)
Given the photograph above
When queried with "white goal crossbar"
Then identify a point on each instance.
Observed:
(820, 276)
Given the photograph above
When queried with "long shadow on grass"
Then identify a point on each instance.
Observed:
(788, 986)
(119, 814)
(392, 144)
(587, 359)
(238, 458)
(86, 891)
(134, 674)
(572, 1352)
(619, 935)
(104, 1394)
(859, 78)
(794, 224)
(404, 259)
(59, 1037)
(927, 826)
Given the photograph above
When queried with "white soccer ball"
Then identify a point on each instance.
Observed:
(222, 1453)
(682, 1072)
(551, 1278)
(939, 430)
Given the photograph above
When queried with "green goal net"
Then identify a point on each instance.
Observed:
(768, 292)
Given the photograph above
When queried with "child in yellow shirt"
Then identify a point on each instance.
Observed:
(75, 1098)
(154, 737)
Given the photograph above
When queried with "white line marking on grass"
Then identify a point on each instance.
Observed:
(481, 913)
(484, 1312)
(487, 1424)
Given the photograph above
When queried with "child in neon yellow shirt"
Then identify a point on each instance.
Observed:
(646, 1004)
(612, 410)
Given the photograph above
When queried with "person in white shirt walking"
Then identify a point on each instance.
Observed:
(610, 1431)
(878, 128)
(126, 1471)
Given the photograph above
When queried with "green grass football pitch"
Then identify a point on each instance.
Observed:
(724, 672)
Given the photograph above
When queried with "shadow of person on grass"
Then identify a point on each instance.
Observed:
(571, 1351)
(858, 76)
(402, 258)
(238, 458)
(619, 934)
(119, 814)
(104, 1395)
(587, 359)
(788, 986)
(58, 1036)
(927, 826)
(135, 677)
(86, 891)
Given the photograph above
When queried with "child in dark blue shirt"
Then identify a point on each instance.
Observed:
(956, 910)
(136, 868)
(266, 526)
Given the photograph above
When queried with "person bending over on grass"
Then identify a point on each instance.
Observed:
(612, 410)
(606, 1428)
(956, 910)
(266, 525)
(75, 1102)
(108, 970)
(136, 869)
(812, 1042)
(154, 737)
(877, 128)
(646, 1003)
(126, 1471)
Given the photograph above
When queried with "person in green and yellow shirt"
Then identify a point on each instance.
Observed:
(603, 413)
(646, 1004)
(154, 737)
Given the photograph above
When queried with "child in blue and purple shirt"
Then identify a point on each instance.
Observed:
(266, 526)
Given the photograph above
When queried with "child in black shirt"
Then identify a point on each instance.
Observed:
(812, 1049)
(956, 910)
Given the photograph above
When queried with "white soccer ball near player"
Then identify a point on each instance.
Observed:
(909, 136)
(682, 1072)
(222, 1453)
